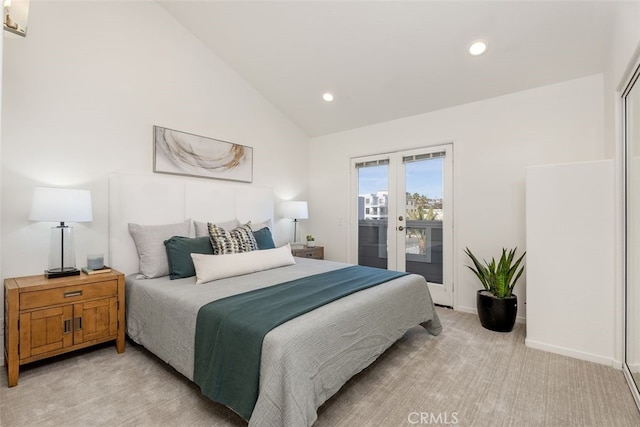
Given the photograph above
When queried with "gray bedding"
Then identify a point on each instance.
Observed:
(304, 361)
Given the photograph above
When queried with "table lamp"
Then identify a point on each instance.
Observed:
(61, 205)
(295, 210)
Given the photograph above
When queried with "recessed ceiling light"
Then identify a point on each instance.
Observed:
(327, 97)
(478, 47)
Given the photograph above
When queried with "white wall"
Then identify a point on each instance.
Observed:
(82, 92)
(570, 260)
(624, 43)
(623, 57)
(494, 141)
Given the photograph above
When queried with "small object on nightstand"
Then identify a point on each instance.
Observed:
(90, 271)
(95, 262)
(311, 241)
(316, 252)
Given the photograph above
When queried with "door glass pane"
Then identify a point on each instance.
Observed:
(424, 215)
(373, 198)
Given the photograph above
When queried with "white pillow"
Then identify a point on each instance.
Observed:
(214, 267)
(202, 229)
(258, 225)
(149, 240)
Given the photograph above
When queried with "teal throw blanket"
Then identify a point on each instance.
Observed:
(230, 331)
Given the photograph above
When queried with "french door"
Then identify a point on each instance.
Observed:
(402, 203)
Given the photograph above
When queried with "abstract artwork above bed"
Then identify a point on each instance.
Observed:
(182, 153)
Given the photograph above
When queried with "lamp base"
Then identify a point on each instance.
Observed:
(56, 272)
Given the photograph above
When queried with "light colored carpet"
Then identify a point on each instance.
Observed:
(467, 376)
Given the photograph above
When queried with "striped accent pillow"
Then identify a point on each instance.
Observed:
(238, 240)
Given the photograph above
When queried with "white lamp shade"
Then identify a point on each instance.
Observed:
(295, 210)
(61, 205)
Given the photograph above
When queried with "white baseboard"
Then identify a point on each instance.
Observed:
(466, 310)
(576, 354)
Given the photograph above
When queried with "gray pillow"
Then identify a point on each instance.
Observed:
(149, 240)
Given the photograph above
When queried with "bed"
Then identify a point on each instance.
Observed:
(305, 360)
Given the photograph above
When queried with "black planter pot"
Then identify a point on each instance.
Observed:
(497, 314)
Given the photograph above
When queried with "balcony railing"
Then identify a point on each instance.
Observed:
(423, 246)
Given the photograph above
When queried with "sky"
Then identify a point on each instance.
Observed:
(422, 177)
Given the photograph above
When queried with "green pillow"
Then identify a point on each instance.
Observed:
(264, 239)
(179, 250)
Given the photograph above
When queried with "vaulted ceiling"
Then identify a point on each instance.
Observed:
(384, 60)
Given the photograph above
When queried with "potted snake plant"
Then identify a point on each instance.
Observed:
(496, 303)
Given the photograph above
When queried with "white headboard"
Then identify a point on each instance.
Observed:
(153, 199)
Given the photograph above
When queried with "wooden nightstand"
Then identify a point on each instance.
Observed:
(316, 252)
(46, 317)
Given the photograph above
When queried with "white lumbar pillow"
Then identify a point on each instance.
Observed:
(214, 267)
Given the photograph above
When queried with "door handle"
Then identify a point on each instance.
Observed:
(401, 228)
(400, 218)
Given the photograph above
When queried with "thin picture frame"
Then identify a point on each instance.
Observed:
(16, 15)
(182, 153)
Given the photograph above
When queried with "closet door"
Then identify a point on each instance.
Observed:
(631, 109)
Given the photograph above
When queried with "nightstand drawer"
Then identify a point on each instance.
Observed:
(67, 294)
(316, 252)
